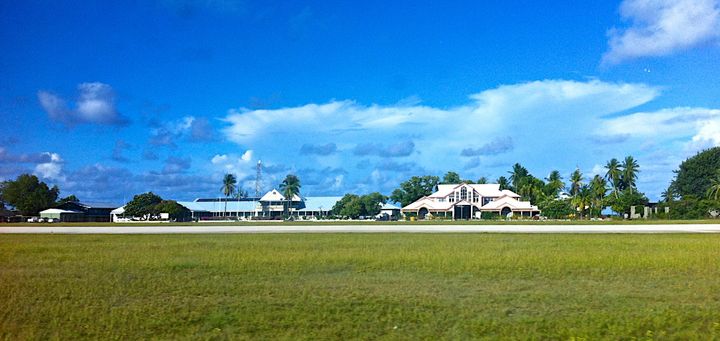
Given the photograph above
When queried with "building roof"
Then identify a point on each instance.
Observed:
(508, 201)
(119, 210)
(319, 203)
(275, 195)
(389, 206)
(56, 211)
(87, 205)
(485, 190)
(216, 206)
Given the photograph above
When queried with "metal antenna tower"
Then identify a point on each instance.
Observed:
(258, 177)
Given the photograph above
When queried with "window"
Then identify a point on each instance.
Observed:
(463, 193)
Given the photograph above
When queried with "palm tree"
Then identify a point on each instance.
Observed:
(576, 179)
(598, 188)
(613, 175)
(517, 174)
(668, 195)
(630, 168)
(503, 182)
(582, 199)
(290, 187)
(713, 191)
(228, 187)
(554, 183)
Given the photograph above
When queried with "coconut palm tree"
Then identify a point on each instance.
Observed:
(582, 199)
(598, 188)
(630, 168)
(517, 174)
(713, 191)
(503, 182)
(668, 195)
(576, 179)
(554, 183)
(613, 174)
(228, 187)
(290, 187)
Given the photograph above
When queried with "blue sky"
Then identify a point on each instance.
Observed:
(111, 99)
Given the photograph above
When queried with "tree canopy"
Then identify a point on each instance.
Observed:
(175, 210)
(694, 176)
(28, 194)
(69, 198)
(354, 206)
(414, 189)
(148, 204)
(142, 205)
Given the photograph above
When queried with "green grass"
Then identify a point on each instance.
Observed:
(423, 222)
(360, 286)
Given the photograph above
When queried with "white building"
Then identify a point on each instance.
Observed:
(270, 205)
(466, 201)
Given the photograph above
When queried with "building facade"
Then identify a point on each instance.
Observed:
(272, 205)
(470, 201)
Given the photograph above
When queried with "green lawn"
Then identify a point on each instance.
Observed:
(366, 286)
(423, 222)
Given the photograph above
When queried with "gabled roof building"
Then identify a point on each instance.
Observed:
(470, 201)
(270, 205)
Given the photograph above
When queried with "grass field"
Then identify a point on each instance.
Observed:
(423, 222)
(367, 286)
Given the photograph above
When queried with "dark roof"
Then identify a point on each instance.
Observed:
(88, 205)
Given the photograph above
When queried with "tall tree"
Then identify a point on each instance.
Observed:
(517, 174)
(694, 174)
(142, 205)
(613, 174)
(576, 179)
(554, 184)
(503, 182)
(598, 189)
(582, 199)
(228, 188)
(451, 178)
(483, 180)
(630, 169)
(290, 187)
(415, 188)
(28, 194)
(668, 195)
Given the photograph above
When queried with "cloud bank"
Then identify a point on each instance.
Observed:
(662, 27)
(545, 125)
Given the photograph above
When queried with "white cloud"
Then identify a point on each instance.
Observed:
(687, 124)
(661, 27)
(53, 169)
(247, 156)
(241, 166)
(709, 132)
(95, 104)
(218, 159)
(543, 119)
(190, 127)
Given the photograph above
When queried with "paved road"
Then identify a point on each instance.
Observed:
(157, 228)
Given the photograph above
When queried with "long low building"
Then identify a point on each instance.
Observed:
(470, 201)
(270, 206)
